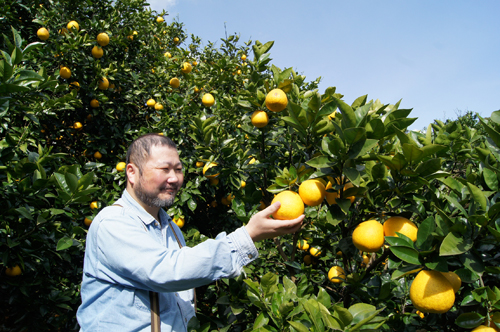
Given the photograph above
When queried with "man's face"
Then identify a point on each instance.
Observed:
(161, 178)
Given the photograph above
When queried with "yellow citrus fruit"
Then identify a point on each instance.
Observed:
(200, 164)
(120, 167)
(262, 205)
(13, 271)
(400, 225)
(94, 205)
(43, 34)
(312, 192)
(103, 83)
(276, 100)
(331, 196)
(159, 19)
(307, 259)
(253, 160)
(260, 119)
(213, 181)
(366, 259)
(484, 328)
(347, 186)
(243, 184)
(97, 155)
(207, 167)
(75, 85)
(208, 100)
(87, 221)
(315, 252)
(332, 115)
(175, 83)
(65, 72)
(243, 57)
(368, 236)
(168, 55)
(303, 245)
(94, 103)
(186, 68)
(431, 292)
(73, 24)
(158, 106)
(179, 221)
(176, 40)
(336, 275)
(454, 280)
(151, 102)
(291, 205)
(420, 314)
(97, 52)
(77, 125)
(103, 39)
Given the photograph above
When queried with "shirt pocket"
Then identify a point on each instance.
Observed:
(141, 299)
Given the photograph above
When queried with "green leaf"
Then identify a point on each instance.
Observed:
(406, 270)
(477, 195)
(348, 116)
(61, 181)
(492, 133)
(64, 243)
(375, 129)
(424, 233)
(362, 147)
(344, 316)
(352, 135)
(320, 162)
(469, 320)
(399, 241)
(298, 326)
(491, 179)
(454, 244)
(406, 254)
(367, 318)
(25, 213)
(412, 153)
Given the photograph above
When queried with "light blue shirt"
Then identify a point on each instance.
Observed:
(128, 253)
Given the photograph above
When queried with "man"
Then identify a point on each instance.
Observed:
(132, 249)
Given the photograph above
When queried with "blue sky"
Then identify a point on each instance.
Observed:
(438, 57)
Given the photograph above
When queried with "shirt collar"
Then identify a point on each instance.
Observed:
(144, 215)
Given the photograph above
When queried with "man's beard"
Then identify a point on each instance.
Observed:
(153, 200)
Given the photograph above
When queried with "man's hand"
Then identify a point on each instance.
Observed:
(261, 226)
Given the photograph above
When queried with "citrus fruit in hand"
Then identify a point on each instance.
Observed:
(291, 205)
(260, 119)
(431, 292)
(276, 100)
(208, 100)
(368, 236)
(312, 192)
(400, 225)
(336, 275)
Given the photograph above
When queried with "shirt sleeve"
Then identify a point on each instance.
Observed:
(126, 254)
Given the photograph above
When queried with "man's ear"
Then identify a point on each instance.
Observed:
(132, 173)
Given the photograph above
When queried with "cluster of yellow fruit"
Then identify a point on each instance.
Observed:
(276, 101)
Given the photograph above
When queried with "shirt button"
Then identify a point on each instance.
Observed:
(250, 256)
(176, 294)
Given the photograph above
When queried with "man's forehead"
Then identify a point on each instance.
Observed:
(163, 155)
